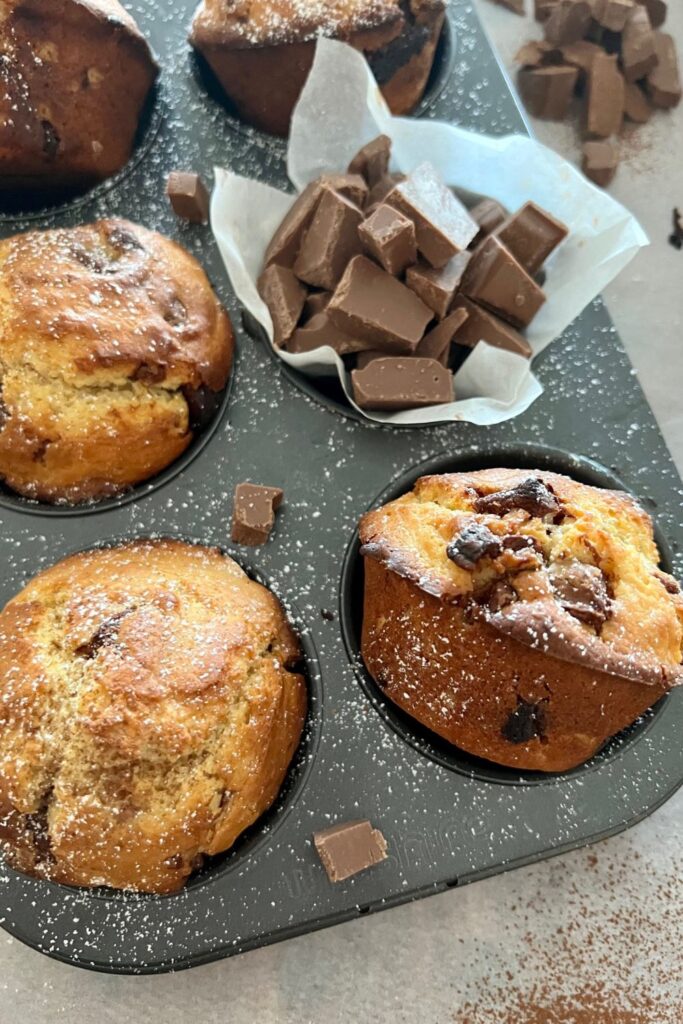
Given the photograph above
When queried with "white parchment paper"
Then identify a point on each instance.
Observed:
(340, 109)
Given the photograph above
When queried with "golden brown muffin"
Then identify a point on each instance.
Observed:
(74, 76)
(149, 710)
(519, 614)
(261, 51)
(111, 342)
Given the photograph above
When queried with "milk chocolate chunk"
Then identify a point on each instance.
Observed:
(390, 238)
(489, 214)
(531, 235)
(534, 54)
(472, 544)
(253, 514)
(605, 98)
(544, 8)
(367, 356)
(347, 849)
(321, 331)
(484, 326)
(664, 81)
(316, 302)
(284, 296)
(373, 306)
(612, 14)
(600, 161)
(437, 342)
(188, 196)
(381, 190)
(437, 288)
(396, 382)
(372, 161)
(656, 10)
(638, 54)
(352, 186)
(582, 591)
(581, 56)
(512, 5)
(568, 22)
(547, 92)
(443, 225)
(495, 279)
(285, 244)
(330, 241)
(532, 495)
(636, 104)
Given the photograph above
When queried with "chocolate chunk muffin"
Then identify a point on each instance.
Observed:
(261, 51)
(113, 351)
(74, 77)
(519, 614)
(149, 709)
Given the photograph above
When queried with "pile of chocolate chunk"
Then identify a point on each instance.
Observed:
(400, 279)
(612, 54)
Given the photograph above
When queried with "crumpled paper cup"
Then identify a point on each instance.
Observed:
(341, 109)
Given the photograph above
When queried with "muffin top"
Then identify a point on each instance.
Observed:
(557, 565)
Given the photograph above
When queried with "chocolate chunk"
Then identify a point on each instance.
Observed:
(484, 326)
(489, 214)
(351, 186)
(534, 54)
(347, 849)
(544, 8)
(393, 382)
(531, 235)
(51, 139)
(582, 591)
(189, 197)
(495, 279)
(636, 104)
(372, 161)
(202, 405)
(532, 584)
(104, 636)
(547, 92)
(285, 244)
(330, 241)
(600, 161)
(284, 296)
(568, 22)
(612, 14)
(581, 55)
(519, 542)
(472, 544)
(527, 722)
(517, 6)
(381, 190)
(321, 331)
(437, 342)
(638, 54)
(499, 596)
(531, 495)
(605, 98)
(656, 10)
(675, 239)
(390, 238)
(316, 302)
(373, 306)
(664, 81)
(253, 516)
(437, 288)
(443, 225)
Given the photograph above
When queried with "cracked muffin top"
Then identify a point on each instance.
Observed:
(560, 566)
(149, 709)
(112, 346)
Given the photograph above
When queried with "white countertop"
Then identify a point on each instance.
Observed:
(606, 920)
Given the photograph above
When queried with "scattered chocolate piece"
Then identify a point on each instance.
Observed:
(188, 196)
(526, 723)
(437, 288)
(531, 235)
(580, 55)
(612, 14)
(600, 161)
(532, 495)
(533, 54)
(495, 279)
(253, 514)
(483, 326)
(321, 331)
(285, 244)
(347, 849)
(392, 383)
(352, 186)
(638, 55)
(568, 22)
(372, 161)
(436, 344)
(330, 241)
(676, 237)
(547, 92)
(605, 98)
(656, 10)
(381, 190)
(582, 591)
(202, 405)
(500, 595)
(284, 296)
(367, 356)
(664, 81)
(489, 214)
(443, 225)
(373, 306)
(472, 544)
(636, 104)
(390, 238)
(316, 303)
(327, 615)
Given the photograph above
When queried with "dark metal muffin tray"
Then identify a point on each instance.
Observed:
(448, 818)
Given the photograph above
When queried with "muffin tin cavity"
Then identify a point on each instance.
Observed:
(409, 729)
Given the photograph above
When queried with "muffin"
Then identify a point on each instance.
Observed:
(149, 710)
(519, 614)
(74, 77)
(113, 351)
(261, 51)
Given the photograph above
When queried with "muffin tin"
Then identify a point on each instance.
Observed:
(448, 818)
